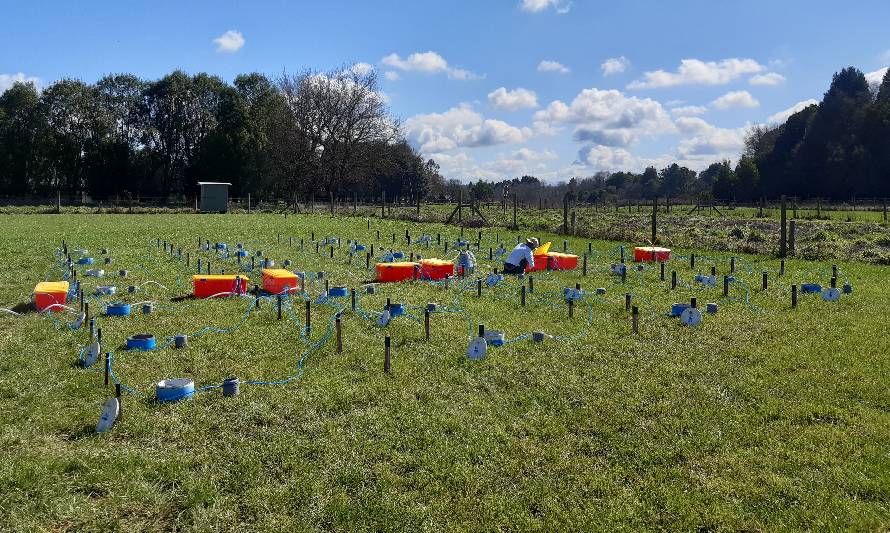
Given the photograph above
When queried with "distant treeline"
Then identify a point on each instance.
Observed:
(322, 134)
(836, 150)
(304, 134)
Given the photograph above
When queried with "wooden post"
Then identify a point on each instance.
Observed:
(765, 281)
(792, 230)
(308, 316)
(531, 284)
(661, 270)
(279, 307)
(673, 279)
(386, 355)
(352, 298)
(732, 265)
(725, 286)
(635, 319)
(692, 261)
(571, 303)
(627, 298)
(339, 335)
(522, 295)
(426, 324)
(565, 213)
(794, 296)
(584, 266)
(107, 367)
(654, 221)
(783, 229)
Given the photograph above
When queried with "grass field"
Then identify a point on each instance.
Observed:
(762, 418)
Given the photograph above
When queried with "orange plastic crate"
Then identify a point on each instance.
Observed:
(211, 285)
(280, 281)
(389, 272)
(541, 262)
(560, 261)
(50, 295)
(436, 269)
(651, 253)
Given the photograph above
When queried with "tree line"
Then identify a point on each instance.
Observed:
(303, 134)
(330, 134)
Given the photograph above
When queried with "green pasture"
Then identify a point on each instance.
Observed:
(763, 417)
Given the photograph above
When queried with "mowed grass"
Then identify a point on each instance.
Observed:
(763, 417)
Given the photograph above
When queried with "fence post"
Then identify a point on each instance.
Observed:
(654, 221)
(792, 230)
(517, 227)
(783, 230)
(565, 214)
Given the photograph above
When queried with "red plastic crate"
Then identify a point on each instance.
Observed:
(50, 295)
(651, 253)
(392, 272)
(219, 285)
(560, 261)
(280, 281)
(436, 269)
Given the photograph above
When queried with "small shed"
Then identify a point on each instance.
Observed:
(214, 196)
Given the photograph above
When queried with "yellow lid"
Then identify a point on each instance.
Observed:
(543, 249)
(560, 254)
(435, 262)
(402, 264)
(45, 287)
(218, 277)
(278, 273)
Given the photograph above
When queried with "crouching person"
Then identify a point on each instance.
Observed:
(521, 258)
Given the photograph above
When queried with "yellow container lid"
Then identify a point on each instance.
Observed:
(433, 261)
(543, 249)
(45, 287)
(401, 264)
(276, 273)
(218, 277)
(560, 254)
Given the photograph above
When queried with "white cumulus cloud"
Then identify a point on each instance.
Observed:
(698, 72)
(518, 98)
(606, 158)
(608, 117)
(874, 78)
(6, 80)
(708, 141)
(552, 66)
(536, 6)
(735, 99)
(461, 126)
(782, 116)
(229, 42)
(392, 75)
(689, 111)
(522, 161)
(770, 78)
(428, 62)
(615, 65)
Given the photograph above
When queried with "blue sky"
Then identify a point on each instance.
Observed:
(490, 89)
